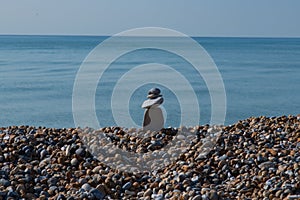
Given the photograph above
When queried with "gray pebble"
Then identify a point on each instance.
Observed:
(74, 162)
(80, 152)
(43, 153)
(97, 194)
(86, 187)
(52, 181)
(4, 182)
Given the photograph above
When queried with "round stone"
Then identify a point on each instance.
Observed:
(74, 162)
(86, 187)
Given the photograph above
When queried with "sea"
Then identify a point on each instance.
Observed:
(261, 77)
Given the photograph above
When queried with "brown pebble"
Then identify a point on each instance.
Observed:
(148, 193)
(136, 184)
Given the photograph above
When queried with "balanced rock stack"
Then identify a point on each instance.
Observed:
(256, 158)
(153, 116)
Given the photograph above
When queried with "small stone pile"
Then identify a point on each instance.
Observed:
(256, 158)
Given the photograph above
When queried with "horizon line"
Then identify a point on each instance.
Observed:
(192, 36)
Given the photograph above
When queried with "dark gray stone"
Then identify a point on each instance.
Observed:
(97, 194)
(4, 182)
(127, 185)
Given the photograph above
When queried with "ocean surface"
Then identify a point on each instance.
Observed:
(37, 73)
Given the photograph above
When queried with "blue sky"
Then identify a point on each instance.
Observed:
(255, 18)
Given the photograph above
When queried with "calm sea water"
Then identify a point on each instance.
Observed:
(37, 73)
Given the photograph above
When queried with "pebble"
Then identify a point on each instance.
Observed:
(197, 197)
(213, 195)
(127, 186)
(97, 194)
(80, 152)
(61, 197)
(148, 193)
(74, 162)
(86, 187)
(44, 153)
(4, 182)
(128, 192)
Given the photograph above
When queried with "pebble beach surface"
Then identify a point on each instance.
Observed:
(256, 158)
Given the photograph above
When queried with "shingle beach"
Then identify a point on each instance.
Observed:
(255, 158)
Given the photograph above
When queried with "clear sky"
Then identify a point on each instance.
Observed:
(262, 18)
